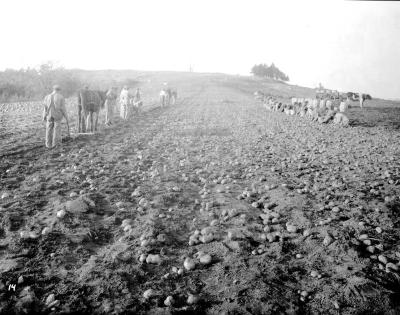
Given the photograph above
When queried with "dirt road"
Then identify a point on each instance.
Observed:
(297, 218)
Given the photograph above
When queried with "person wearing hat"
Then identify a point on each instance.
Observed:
(124, 100)
(53, 113)
(111, 100)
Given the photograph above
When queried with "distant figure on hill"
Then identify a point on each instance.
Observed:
(111, 101)
(137, 102)
(124, 100)
(363, 98)
(164, 97)
(173, 95)
(53, 113)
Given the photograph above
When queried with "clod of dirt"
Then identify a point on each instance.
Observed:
(194, 239)
(142, 258)
(136, 193)
(46, 231)
(153, 259)
(327, 240)
(128, 228)
(207, 238)
(205, 259)
(192, 299)
(149, 293)
(143, 202)
(371, 249)
(391, 267)
(189, 264)
(382, 259)
(33, 235)
(303, 295)
(24, 235)
(291, 228)
(77, 206)
(169, 301)
(61, 214)
(119, 204)
(5, 195)
(315, 274)
(50, 299)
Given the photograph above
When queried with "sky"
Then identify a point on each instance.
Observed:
(345, 45)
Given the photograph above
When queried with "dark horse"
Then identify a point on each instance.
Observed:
(172, 95)
(89, 104)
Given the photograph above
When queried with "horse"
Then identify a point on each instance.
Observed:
(362, 97)
(358, 97)
(136, 105)
(89, 104)
(173, 95)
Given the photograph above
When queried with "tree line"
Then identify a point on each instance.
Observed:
(33, 84)
(272, 72)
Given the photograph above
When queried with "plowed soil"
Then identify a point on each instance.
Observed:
(298, 218)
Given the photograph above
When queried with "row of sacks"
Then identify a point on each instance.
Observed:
(332, 104)
(323, 115)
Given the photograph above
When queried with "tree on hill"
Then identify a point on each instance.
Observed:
(272, 72)
(29, 84)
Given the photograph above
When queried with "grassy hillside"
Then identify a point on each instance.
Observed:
(32, 85)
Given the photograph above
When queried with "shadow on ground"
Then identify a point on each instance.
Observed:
(388, 117)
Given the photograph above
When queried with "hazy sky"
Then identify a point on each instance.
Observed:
(349, 46)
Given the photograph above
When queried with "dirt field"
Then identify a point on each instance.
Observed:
(216, 205)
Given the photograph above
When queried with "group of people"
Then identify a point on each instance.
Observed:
(168, 96)
(129, 104)
(322, 111)
(54, 110)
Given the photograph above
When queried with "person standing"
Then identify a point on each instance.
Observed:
(124, 99)
(137, 101)
(137, 95)
(361, 99)
(110, 103)
(53, 112)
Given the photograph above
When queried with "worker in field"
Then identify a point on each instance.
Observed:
(124, 100)
(137, 95)
(137, 101)
(110, 103)
(361, 99)
(53, 113)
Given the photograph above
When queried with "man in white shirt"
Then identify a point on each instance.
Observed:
(53, 113)
(124, 99)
